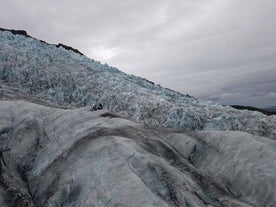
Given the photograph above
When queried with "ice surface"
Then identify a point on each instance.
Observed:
(66, 78)
(55, 157)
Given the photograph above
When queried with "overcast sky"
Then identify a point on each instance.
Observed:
(224, 50)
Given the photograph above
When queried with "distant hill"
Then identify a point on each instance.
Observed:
(270, 109)
(267, 111)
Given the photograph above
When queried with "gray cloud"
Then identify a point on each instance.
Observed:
(271, 95)
(219, 49)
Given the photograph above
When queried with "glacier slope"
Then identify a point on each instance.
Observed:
(56, 75)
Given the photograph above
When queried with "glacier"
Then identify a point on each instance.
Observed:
(54, 157)
(75, 132)
(70, 79)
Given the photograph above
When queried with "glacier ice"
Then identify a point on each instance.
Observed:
(66, 78)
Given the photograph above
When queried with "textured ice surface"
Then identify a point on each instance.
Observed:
(80, 157)
(54, 157)
(56, 75)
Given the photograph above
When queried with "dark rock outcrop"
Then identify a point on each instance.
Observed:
(25, 34)
(16, 32)
(68, 48)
